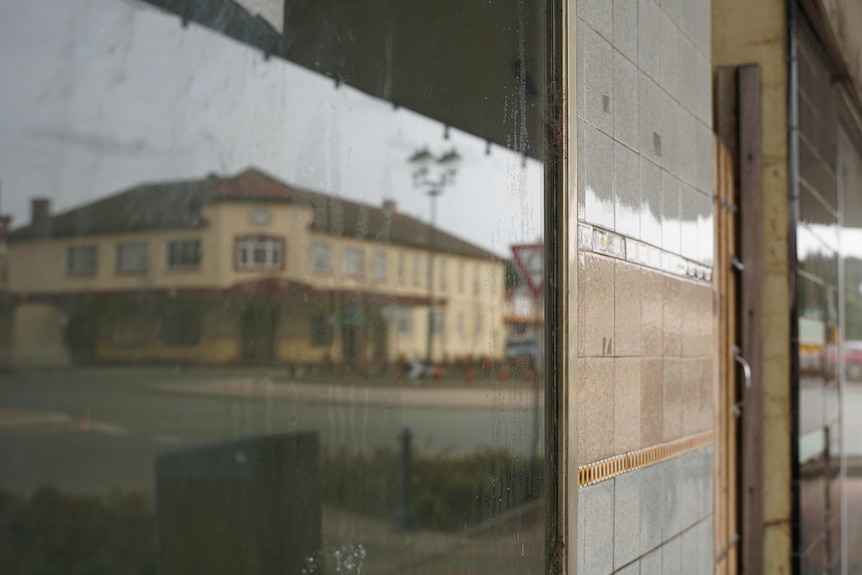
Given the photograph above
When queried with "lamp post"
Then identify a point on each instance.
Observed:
(433, 174)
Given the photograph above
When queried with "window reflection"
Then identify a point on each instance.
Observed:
(239, 336)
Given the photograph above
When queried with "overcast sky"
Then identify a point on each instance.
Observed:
(99, 95)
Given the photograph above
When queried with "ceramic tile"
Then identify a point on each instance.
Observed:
(686, 13)
(599, 303)
(690, 387)
(704, 158)
(626, 101)
(649, 38)
(652, 506)
(599, 81)
(599, 173)
(581, 175)
(581, 41)
(692, 207)
(582, 307)
(703, 91)
(669, 77)
(671, 557)
(651, 564)
(670, 221)
(672, 314)
(595, 409)
(598, 510)
(627, 310)
(650, 130)
(703, 26)
(698, 324)
(667, 128)
(652, 402)
(626, 28)
(708, 381)
(690, 552)
(688, 478)
(627, 408)
(626, 518)
(705, 487)
(689, 61)
(672, 398)
(651, 299)
(651, 189)
(686, 129)
(582, 530)
(626, 191)
(632, 569)
(599, 15)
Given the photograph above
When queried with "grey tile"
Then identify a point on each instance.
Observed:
(633, 569)
(652, 507)
(649, 118)
(686, 16)
(626, 28)
(706, 497)
(651, 564)
(670, 228)
(688, 480)
(672, 522)
(582, 522)
(649, 38)
(651, 189)
(598, 81)
(598, 178)
(626, 191)
(598, 510)
(706, 546)
(703, 90)
(666, 127)
(599, 15)
(581, 175)
(704, 158)
(689, 61)
(703, 26)
(669, 77)
(626, 518)
(582, 68)
(686, 129)
(691, 210)
(625, 101)
(690, 552)
(671, 556)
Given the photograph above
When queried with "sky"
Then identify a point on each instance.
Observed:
(100, 95)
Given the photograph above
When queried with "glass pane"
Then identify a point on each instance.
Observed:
(289, 382)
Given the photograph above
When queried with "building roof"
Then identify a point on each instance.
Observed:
(177, 206)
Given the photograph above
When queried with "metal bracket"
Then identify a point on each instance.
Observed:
(737, 264)
(746, 369)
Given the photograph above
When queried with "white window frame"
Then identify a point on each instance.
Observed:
(82, 260)
(259, 252)
(131, 257)
(321, 257)
(354, 262)
(378, 266)
(186, 243)
(402, 272)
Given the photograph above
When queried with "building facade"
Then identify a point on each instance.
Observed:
(246, 268)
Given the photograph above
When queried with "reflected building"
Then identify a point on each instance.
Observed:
(246, 268)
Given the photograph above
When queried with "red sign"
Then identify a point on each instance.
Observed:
(530, 261)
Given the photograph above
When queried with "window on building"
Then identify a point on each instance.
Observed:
(442, 274)
(479, 323)
(438, 319)
(405, 321)
(379, 266)
(321, 257)
(131, 258)
(182, 326)
(416, 271)
(321, 332)
(259, 252)
(401, 271)
(354, 262)
(184, 254)
(460, 277)
(81, 260)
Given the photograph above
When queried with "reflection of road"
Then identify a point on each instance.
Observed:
(94, 431)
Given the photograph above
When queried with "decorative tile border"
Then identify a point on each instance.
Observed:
(601, 241)
(618, 464)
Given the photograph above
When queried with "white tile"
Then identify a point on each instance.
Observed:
(599, 15)
(582, 68)
(686, 146)
(651, 190)
(670, 228)
(703, 26)
(598, 81)
(626, 28)
(625, 101)
(581, 175)
(669, 56)
(703, 96)
(667, 129)
(686, 14)
(689, 68)
(598, 183)
(704, 157)
(649, 118)
(649, 38)
(651, 564)
(627, 197)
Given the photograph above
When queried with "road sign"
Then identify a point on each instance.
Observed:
(530, 261)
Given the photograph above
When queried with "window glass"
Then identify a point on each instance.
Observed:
(184, 253)
(81, 260)
(131, 257)
(208, 364)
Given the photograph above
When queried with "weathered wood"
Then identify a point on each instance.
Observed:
(750, 201)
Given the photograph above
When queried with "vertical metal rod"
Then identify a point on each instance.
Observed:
(404, 515)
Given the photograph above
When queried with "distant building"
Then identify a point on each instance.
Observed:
(241, 269)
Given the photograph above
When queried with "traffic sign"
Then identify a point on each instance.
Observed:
(530, 261)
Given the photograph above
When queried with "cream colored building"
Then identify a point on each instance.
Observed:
(246, 268)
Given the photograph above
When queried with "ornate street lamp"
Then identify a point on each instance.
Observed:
(433, 174)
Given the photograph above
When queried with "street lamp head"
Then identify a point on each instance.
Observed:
(421, 163)
(449, 164)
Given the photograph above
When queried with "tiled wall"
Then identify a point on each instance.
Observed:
(657, 519)
(646, 301)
